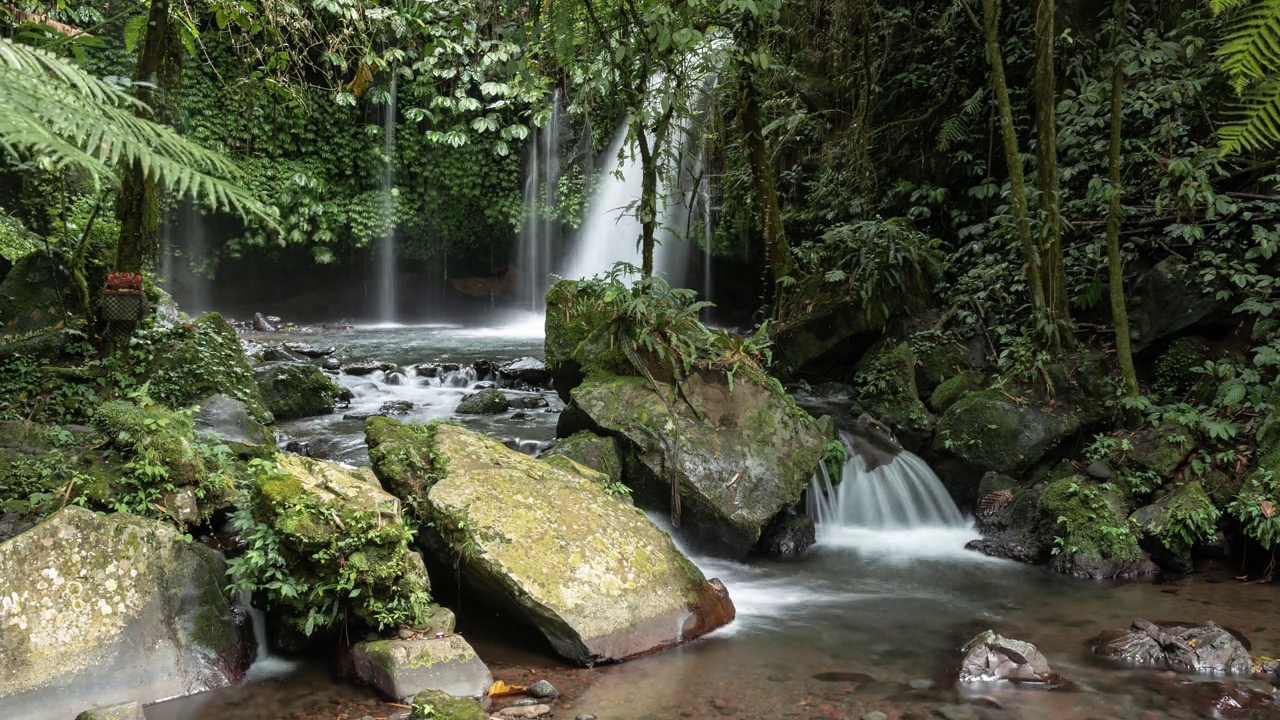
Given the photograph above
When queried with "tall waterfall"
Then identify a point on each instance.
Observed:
(386, 276)
(184, 255)
(539, 233)
(901, 494)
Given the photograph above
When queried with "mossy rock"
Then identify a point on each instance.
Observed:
(602, 454)
(1174, 368)
(296, 389)
(436, 705)
(573, 344)
(885, 381)
(115, 608)
(1088, 526)
(1170, 525)
(990, 431)
(402, 668)
(949, 392)
(196, 360)
(126, 711)
(33, 295)
(404, 458)
(1159, 448)
(490, 401)
(940, 359)
(553, 549)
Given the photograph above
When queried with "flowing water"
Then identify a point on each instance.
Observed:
(386, 279)
(871, 620)
(539, 233)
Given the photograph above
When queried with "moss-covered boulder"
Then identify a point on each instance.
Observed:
(739, 456)
(436, 705)
(114, 608)
(949, 392)
(195, 360)
(602, 454)
(1167, 300)
(490, 401)
(573, 318)
(226, 420)
(988, 430)
(550, 547)
(404, 668)
(296, 389)
(32, 297)
(1158, 448)
(885, 381)
(1087, 526)
(1173, 525)
(341, 544)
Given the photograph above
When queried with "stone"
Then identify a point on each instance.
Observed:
(1167, 300)
(921, 684)
(486, 402)
(525, 711)
(34, 290)
(310, 351)
(546, 545)
(530, 370)
(950, 391)
(989, 431)
(543, 689)
(331, 364)
(395, 407)
(789, 535)
(602, 454)
(116, 608)
(279, 353)
(885, 382)
(584, 716)
(1157, 523)
(956, 712)
(401, 668)
(123, 711)
(1153, 448)
(200, 359)
(990, 657)
(295, 389)
(875, 715)
(1091, 527)
(226, 420)
(1098, 470)
(743, 455)
(436, 705)
(1202, 648)
(528, 402)
(262, 324)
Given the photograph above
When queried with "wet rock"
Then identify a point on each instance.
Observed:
(365, 367)
(525, 711)
(115, 608)
(427, 370)
(1091, 527)
(201, 359)
(1206, 648)
(602, 454)
(526, 369)
(950, 391)
(1020, 545)
(262, 324)
(295, 390)
(543, 689)
(598, 579)
(788, 535)
(990, 657)
(226, 420)
(446, 707)
(584, 716)
(1098, 470)
(279, 353)
(1221, 699)
(1168, 548)
(892, 398)
(310, 351)
(485, 402)
(396, 379)
(956, 712)
(331, 364)
(124, 711)
(743, 456)
(528, 402)
(400, 668)
(395, 407)
(875, 715)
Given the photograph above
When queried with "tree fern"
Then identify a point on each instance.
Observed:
(61, 116)
(1251, 58)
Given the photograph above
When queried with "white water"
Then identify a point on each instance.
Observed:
(386, 279)
(541, 186)
(265, 665)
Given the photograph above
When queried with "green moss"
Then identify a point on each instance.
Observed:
(486, 402)
(601, 454)
(436, 705)
(950, 391)
(195, 360)
(885, 381)
(990, 431)
(1175, 368)
(1086, 520)
(405, 459)
(296, 389)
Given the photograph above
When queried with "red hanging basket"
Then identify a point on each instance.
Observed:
(122, 298)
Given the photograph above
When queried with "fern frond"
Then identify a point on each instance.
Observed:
(1256, 121)
(1252, 50)
(62, 116)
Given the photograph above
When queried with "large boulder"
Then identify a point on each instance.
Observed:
(403, 668)
(739, 456)
(296, 389)
(1203, 648)
(1173, 524)
(547, 545)
(115, 608)
(342, 543)
(32, 297)
(1088, 528)
(195, 360)
(885, 380)
(990, 431)
(1166, 300)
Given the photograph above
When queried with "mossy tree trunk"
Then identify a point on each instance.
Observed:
(648, 200)
(138, 208)
(1115, 261)
(1054, 279)
(749, 113)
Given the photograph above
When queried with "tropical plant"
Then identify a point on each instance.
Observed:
(1251, 59)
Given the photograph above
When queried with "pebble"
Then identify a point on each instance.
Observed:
(585, 716)
(543, 689)
(921, 684)
(525, 711)
(875, 715)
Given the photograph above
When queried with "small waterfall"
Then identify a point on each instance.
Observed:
(898, 495)
(265, 665)
(184, 257)
(386, 277)
(541, 186)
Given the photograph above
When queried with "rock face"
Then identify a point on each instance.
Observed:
(548, 545)
(601, 454)
(1205, 648)
(788, 536)
(1165, 301)
(403, 668)
(990, 657)
(743, 457)
(295, 389)
(485, 402)
(114, 609)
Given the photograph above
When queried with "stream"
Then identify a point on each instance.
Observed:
(869, 621)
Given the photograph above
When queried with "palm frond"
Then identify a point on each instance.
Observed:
(58, 114)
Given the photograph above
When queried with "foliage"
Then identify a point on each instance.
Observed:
(1256, 507)
(1189, 518)
(1082, 522)
(1251, 58)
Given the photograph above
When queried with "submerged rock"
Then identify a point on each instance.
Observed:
(403, 668)
(295, 390)
(490, 401)
(124, 711)
(115, 608)
(993, 657)
(547, 545)
(1204, 648)
(742, 456)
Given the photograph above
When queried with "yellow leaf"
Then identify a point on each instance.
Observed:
(501, 689)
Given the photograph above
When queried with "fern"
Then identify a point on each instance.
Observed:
(63, 117)
(1251, 59)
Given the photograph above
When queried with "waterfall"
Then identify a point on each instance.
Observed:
(265, 665)
(541, 186)
(184, 255)
(386, 277)
(901, 494)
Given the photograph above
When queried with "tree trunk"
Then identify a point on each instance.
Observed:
(648, 201)
(1054, 280)
(775, 239)
(1115, 261)
(138, 209)
(1017, 184)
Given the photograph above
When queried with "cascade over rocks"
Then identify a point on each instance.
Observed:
(296, 389)
(1203, 648)
(744, 455)
(546, 545)
(115, 608)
